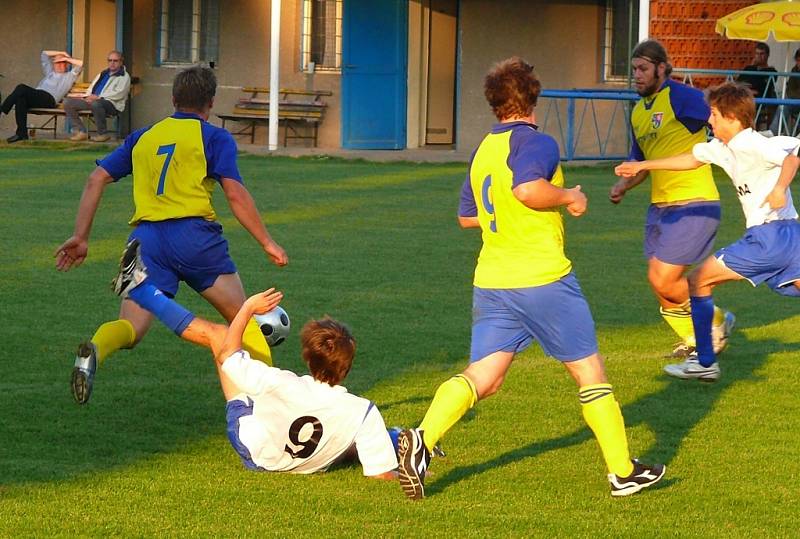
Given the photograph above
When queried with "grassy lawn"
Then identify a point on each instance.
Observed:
(377, 246)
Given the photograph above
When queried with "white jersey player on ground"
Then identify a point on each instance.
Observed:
(761, 169)
(278, 421)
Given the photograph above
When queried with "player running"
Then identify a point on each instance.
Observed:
(524, 287)
(761, 169)
(175, 164)
(277, 421)
(684, 211)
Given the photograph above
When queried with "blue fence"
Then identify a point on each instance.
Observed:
(594, 124)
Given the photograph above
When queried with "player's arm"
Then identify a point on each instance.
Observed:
(623, 185)
(684, 161)
(777, 197)
(540, 194)
(73, 252)
(256, 304)
(468, 222)
(244, 209)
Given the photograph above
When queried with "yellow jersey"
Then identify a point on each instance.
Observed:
(522, 247)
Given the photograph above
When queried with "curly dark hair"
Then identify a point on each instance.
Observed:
(511, 88)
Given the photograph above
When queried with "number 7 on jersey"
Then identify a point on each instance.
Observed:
(168, 150)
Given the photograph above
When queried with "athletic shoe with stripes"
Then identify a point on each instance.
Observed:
(83, 372)
(691, 368)
(413, 458)
(132, 270)
(643, 476)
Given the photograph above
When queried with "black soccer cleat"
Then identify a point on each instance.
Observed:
(642, 476)
(413, 459)
(132, 270)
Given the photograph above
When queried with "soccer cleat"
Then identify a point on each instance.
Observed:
(680, 350)
(413, 458)
(691, 368)
(643, 476)
(132, 270)
(721, 333)
(83, 372)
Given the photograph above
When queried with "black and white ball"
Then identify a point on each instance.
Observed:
(274, 325)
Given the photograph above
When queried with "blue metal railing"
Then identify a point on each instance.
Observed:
(594, 124)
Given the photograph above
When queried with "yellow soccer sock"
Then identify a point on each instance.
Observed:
(112, 336)
(680, 320)
(254, 342)
(719, 316)
(451, 401)
(602, 414)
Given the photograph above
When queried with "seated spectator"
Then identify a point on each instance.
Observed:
(57, 81)
(761, 85)
(105, 96)
(790, 112)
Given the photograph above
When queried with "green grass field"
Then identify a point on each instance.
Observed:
(377, 245)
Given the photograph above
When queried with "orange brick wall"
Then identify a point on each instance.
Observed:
(686, 29)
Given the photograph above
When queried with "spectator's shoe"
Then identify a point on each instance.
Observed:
(78, 136)
(691, 368)
(83, 372)
(721, 333)
(413, 458)
(101, 138)
(15, 138)
(132, 270)
(643, 476)
(680, 350)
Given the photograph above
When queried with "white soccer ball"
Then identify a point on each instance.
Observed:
(274, 325)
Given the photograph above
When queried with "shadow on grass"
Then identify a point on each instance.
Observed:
(670, 414)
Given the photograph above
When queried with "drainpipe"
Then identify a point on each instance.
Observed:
(274, 70)
(644, 19)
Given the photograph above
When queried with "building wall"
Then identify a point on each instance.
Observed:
(243, 61)
(561, 39)
(45, 27)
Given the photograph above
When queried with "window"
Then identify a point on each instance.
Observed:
(188, 31)
(322, 35)
(621, 35)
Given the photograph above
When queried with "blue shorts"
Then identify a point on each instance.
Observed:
(681, 235)
(768, 253)
(190, 250)
(556, 315)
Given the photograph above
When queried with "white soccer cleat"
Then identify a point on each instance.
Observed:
(721, 333)
(692, 369)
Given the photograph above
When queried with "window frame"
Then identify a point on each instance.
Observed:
(306, 35)
(195, 45)
(608, 42)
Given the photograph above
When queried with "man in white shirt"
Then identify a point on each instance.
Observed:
(761, 169)
(278, 421)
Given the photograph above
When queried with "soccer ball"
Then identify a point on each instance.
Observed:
(274, 325)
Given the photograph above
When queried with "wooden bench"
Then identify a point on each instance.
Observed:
(300, 112)
(51, 124)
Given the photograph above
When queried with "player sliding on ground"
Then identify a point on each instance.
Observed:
(278, 421)
(524, 287)
(761, 169)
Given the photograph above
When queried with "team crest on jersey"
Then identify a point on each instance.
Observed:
(656, 119)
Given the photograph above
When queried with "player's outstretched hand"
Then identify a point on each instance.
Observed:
(265, 301)
(71, 253)
(276, 254)
(628, 169)
(776, 199)
(577, 207)
(617, 191)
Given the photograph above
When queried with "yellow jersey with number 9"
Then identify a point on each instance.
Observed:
(175, 164)
(522, 247)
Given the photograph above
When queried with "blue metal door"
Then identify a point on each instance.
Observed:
(374, 74)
